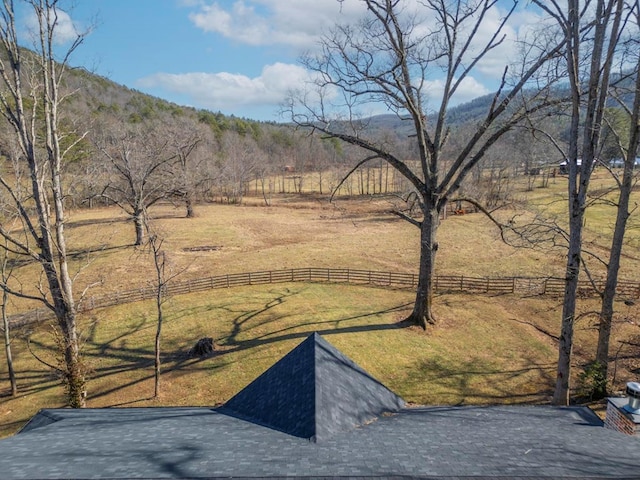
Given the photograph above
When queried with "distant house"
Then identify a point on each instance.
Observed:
(316, 414)
(616, 163)
(563, 167)
(619, 163)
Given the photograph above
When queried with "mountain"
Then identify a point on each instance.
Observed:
(467, 112)
(475, 110)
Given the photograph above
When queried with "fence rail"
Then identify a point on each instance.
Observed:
(443, 284)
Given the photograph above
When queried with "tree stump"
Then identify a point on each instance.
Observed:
(203, 348)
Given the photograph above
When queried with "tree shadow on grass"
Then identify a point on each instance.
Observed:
(122, 359)
(36, 381)
(242, 325)
(83, 254)
(96, 221)
(86, 252)
(242, 320)
(477, 381)
(321, 327)
(234, 343)
(102, 347)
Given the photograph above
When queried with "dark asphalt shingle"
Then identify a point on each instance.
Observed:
(430, 442)
(501, 441)
(313, 392)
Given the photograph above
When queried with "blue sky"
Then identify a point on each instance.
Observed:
(234, 56)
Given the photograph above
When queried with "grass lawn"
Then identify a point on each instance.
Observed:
(485, 349)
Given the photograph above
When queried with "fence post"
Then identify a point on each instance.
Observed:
(227, 280)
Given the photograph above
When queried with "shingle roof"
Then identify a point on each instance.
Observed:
(314, 392)
(429, 442)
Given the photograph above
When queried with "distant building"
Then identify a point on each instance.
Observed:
(563, 167)
(619, 163)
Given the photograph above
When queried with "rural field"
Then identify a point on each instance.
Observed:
(485, 349)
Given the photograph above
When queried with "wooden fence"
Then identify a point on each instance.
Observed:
(443, 284)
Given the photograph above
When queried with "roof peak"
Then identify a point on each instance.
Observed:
(313, 392)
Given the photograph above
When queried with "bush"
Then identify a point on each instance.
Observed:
(592, 382)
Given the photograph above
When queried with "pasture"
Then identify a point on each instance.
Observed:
(485, 348)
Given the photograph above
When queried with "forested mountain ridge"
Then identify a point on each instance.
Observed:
(96, 96)
(233, 151)
(476, 109)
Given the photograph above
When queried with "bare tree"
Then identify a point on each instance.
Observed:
(31, 98)
(141, 170)
(240, 158)
(590, 30)
(625, 185)
(265, 184)
(386, 59)
(191, 143)
(164, 274)
(5, 273)
(155, 242)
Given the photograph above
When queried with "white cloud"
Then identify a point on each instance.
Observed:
(298, 24)
(523, 25)
(468, 89)
(222, 91)
(270, 22)
(65, 30)
(493, 62)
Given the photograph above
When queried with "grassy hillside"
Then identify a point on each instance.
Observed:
(485, 349)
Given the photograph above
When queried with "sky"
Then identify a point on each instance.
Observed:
(239, 57)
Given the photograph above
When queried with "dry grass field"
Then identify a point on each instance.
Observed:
(485, 349)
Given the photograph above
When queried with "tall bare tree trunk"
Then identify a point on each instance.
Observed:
(159, 300)
(160, 285)
(622, 215)
(138, 221)
(576, 214)
(64, 307)
(422, 313)
(603, 43)
(36, 127)
(572, 272)
(7, 345)
(608, 295)
(188, 201)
